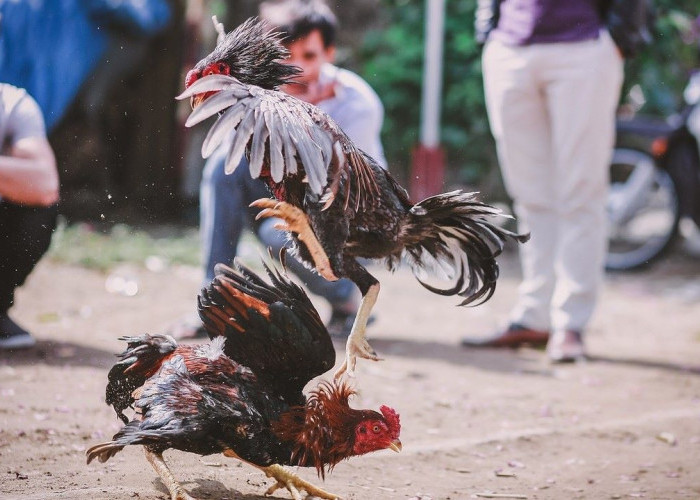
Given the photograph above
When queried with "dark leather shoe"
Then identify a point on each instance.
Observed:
(566, 346)
(514, 336)
(13, 336)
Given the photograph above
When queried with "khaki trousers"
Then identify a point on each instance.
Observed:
(552, 112)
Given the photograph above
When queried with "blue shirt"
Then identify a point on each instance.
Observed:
(525, 22)
(49, 47)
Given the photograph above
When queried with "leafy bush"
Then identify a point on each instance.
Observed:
(662, 69)
(392, 62)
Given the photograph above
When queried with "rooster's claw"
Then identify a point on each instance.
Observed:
(296, 221)
(355, 348)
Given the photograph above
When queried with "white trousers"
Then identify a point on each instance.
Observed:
(552, 112)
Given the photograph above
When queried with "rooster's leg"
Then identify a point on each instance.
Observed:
(293, 483)
(295, 221)
(177, 492)
(357, 344)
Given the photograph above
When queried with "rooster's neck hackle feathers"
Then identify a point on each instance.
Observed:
(254, 53)
(323, 429)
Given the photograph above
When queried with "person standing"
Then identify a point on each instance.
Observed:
(29, 189)
(553, 71)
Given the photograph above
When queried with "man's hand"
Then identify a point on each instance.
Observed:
(312, 93)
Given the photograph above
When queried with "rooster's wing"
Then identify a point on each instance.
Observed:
(284, 134)
(273, 329)
(201, 402)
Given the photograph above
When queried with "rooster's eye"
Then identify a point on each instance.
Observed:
(375, 429)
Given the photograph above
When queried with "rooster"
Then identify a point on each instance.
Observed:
(241, 394)
(337, 203)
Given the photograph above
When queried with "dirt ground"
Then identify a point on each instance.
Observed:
(625, 424)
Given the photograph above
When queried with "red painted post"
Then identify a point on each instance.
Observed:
(427, 172)
(428, 166)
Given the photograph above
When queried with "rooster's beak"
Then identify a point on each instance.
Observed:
(395, 445)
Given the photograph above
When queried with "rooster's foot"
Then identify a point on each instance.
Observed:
(295, 221)
(293, 484)
(357, 345)
(181, 494)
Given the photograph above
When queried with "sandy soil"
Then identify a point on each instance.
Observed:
(625, 424)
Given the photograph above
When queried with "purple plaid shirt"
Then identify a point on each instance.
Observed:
(525, 22)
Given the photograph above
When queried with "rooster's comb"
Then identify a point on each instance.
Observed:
(392, 419)
(254, 54)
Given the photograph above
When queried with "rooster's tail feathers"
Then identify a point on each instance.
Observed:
(130, 434)
(455, 232)
(103, 451)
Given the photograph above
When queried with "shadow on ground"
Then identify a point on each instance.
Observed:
(507, 361)
(209, 488)
(647, 363)
(526, 361)
(54, 353)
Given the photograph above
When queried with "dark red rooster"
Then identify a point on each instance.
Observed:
(336, 201)
(241, 394)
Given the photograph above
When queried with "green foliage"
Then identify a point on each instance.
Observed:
(662, 69)
(392, 58)
(392, 61)
(83, 245)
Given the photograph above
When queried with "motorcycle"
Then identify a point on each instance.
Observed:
(654, 183)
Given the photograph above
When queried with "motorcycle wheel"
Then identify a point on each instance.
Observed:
(643, 210)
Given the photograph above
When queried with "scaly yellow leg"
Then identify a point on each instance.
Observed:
(177, 492)
(357, 344)
(295, 220)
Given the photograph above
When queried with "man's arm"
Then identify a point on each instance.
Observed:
(628, 22)
(358, 111)
(28, 175)
(362, 121)
(485, 19)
